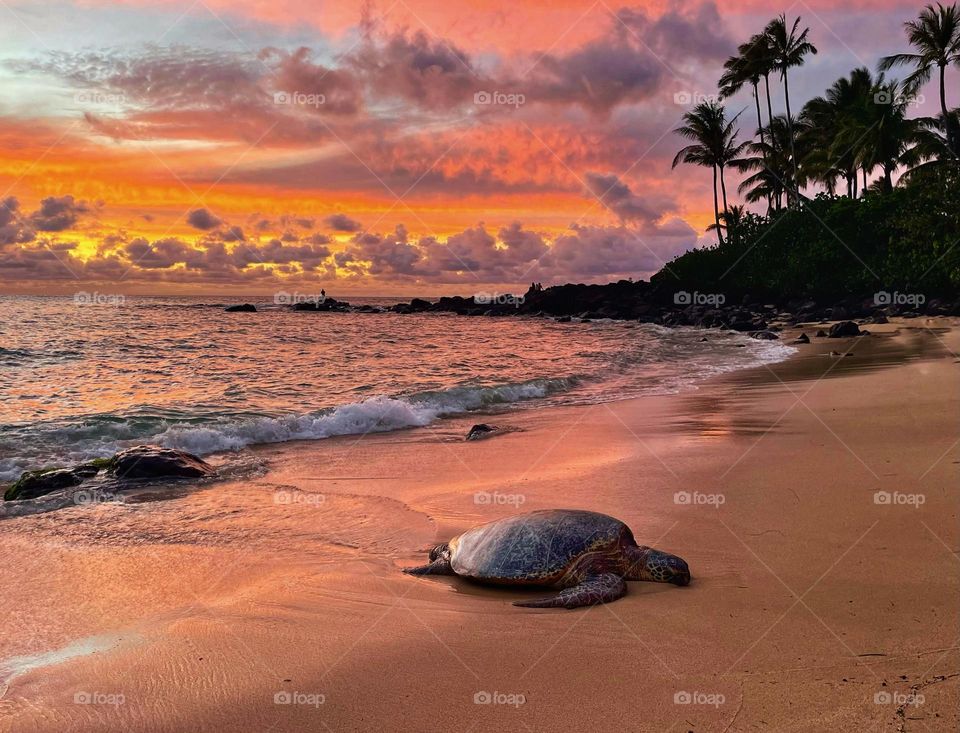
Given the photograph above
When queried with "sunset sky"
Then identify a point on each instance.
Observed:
(403, 147)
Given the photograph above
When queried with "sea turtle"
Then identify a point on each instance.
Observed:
(585, 554)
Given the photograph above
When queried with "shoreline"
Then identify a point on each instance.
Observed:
(239, 596)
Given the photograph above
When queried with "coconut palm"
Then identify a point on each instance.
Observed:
(731, 221)
(832, 128)
(714, 145)
(935, 35)
(889, 135)
(789, 48)
(769, 166)
(752, 62)
(932, 151)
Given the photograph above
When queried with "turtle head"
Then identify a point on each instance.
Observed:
(438, 551)
(660, 567)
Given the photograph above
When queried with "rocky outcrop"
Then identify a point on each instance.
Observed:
(244, 308)
(147, 461)
(843, 330)
(140, 462)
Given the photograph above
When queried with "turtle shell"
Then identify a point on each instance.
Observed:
(539, 547)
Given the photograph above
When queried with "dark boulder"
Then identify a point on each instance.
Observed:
(802, 339)
(245, 308)
(844, 329)
(32, 484)
(563, 319)
(821, 334)
(481, 431)
(879, 318)
(148, 461)
(763, 335)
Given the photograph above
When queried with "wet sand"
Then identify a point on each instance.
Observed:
(276, 603)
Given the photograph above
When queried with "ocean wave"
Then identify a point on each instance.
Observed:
(103, 435)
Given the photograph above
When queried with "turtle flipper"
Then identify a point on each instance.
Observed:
(592, 590)
(440, 566)
(439, 563)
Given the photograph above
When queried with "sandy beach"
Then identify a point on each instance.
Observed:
(815, 501)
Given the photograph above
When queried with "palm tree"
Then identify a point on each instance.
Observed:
(833, 129)
(932, 151)
(750, 64)
(769, 166)
(886, 142)
(731, 221)
(714, 145)
(935, 34)
(789, 48)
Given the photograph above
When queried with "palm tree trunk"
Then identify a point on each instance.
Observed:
(756, 98)
(952, 142)
(763, 140)
(864, 181)
(793, 153)
(766, 82)
(716, 207)
(723, 188)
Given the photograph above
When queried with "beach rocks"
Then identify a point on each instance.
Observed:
(38, 483)
(147, 461)
(763, 335)
(140, 462)
(844, 329)
(802, 339)
(821, 334)
(481, 431)
(244, 308)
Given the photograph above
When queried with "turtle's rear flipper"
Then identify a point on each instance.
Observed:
(440, 566)
(594, 589)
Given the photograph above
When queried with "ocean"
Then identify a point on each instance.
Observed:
(81, 380)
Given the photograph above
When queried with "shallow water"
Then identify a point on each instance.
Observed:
(82, 381)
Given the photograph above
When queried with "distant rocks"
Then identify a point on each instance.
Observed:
(244, 308)
(763, 335)
(323, 305)
(801, 339)
(844, 329)
(140, 462)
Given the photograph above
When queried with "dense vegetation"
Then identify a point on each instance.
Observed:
(859, 196)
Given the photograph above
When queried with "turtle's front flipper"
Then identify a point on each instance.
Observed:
(594, 589)
(439, 563)
(440, 566)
